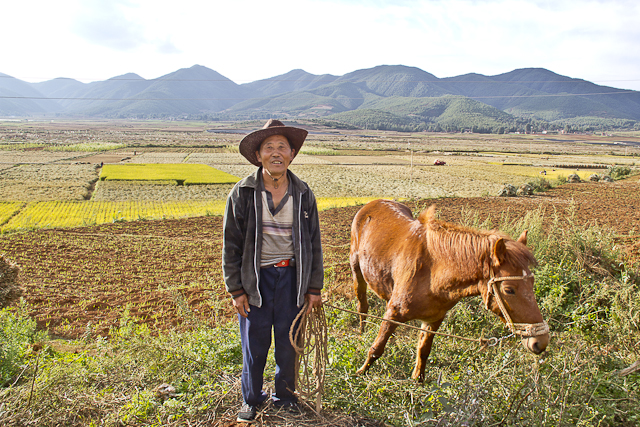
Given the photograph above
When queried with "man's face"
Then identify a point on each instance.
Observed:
(275, 154)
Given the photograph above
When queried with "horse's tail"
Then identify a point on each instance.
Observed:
(359, 284)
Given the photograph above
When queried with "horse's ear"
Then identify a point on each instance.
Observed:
(499, 250)
(523, 237)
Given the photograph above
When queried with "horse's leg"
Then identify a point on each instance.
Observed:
(424, 348)
(386, 329)
(360, 289)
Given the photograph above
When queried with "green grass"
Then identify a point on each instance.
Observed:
(184, 174)
(587, 292)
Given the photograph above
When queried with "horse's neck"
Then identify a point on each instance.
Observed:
(465, 289)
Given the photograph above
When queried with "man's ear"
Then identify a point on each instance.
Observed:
(258, 156)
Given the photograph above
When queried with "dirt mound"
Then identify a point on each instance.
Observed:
(10, 290)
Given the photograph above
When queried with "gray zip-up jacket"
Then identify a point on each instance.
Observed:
(242, 242)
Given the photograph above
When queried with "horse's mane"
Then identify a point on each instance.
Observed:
(470, 248)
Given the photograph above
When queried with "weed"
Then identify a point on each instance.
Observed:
(17, 336)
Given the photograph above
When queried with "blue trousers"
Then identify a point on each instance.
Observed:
(278, 311)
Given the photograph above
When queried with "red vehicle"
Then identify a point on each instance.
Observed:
(439, 162)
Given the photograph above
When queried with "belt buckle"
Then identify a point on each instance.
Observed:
(283, 263)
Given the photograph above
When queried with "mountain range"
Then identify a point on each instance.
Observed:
(384, 97)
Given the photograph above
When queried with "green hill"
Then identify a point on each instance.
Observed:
(414, 98)
(453, 113)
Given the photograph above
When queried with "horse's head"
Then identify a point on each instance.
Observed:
(510, 294)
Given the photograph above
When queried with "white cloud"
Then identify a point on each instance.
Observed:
(247, 40)
(109, 24)
(167, 47)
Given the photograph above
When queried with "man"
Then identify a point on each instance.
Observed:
(271, 259)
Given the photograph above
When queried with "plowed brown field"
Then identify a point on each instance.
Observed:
(168, 273)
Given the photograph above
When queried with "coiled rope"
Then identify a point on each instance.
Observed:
(308, 336)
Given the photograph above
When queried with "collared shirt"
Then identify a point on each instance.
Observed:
(277, 228)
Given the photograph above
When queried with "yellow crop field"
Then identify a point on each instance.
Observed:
(8, 209)
(181, 172)
(73, 214)
(16, 216)
(325, 203)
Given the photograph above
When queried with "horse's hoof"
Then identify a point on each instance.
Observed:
(418, 377)
(363, 369)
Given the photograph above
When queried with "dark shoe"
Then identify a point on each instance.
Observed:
(291, 408)
(247, 414)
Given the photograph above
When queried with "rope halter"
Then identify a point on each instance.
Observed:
(525, 330)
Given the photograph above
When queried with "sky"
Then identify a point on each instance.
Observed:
(249, 40)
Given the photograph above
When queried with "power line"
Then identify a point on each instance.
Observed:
(620, 92)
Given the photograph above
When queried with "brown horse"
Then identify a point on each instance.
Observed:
(423, 267)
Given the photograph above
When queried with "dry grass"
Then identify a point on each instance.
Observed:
(214, 159)
(15, 157)
(123, 190)
(156, 157)
(399, 182)
(47, 182)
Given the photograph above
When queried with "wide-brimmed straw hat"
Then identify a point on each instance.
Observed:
(251, 143)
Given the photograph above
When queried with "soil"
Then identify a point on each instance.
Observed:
(167, 273)
(110, 157)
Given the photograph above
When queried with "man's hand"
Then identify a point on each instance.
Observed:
(314, 301)
(241, 304)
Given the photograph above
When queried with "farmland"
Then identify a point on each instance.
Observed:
(129, 302)
(335, 164)
(181, 174)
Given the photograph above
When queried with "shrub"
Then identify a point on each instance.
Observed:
(540, 184)
(618, 172)
(17, 335)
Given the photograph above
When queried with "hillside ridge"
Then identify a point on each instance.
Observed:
(399, 93)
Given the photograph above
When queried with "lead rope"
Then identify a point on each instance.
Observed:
(308, 336)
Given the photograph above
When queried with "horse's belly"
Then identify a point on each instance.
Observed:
(378, 278)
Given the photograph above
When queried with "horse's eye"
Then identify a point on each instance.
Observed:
(509, 291)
